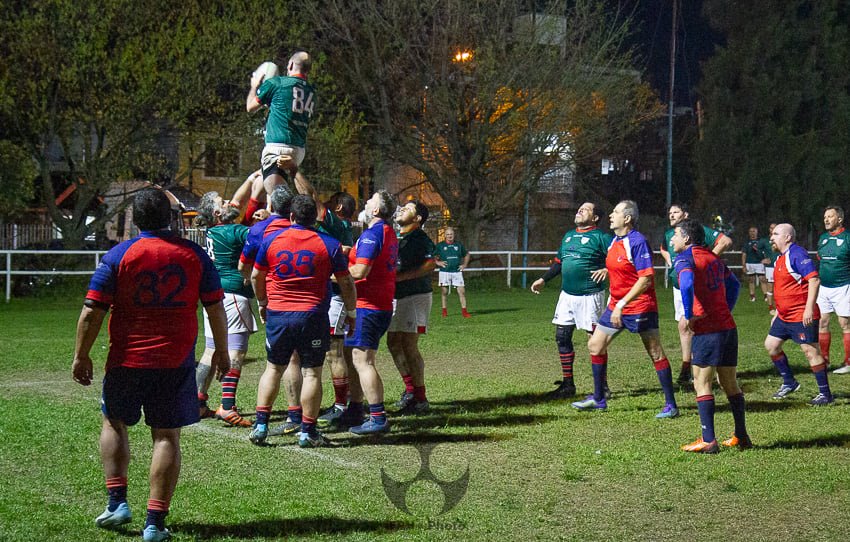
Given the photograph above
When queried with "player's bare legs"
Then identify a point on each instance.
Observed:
(311, 402)
(339, 376)
(703, 384)
(114, 448)
(164, 471)
(461, 293)
(685, 339)
(373, 389)
(444, 295)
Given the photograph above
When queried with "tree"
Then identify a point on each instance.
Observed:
(483, 97)
(777, 111)
(105, 85)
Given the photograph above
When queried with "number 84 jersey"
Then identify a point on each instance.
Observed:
(153, 283)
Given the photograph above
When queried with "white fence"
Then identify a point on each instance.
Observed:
(507, 261)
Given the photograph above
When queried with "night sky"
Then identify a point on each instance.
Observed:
(696, 43)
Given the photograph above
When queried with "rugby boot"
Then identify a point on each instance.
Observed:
(669, 411)
(589, 403)
(786, 390)
(701, 447)
(110, 520)
(565, 390)
(743, 443)
(822, 399)
(231, 417)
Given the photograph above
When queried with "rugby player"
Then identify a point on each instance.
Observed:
(452, 258)
(769, 268)
(834, 292)
(753, 254)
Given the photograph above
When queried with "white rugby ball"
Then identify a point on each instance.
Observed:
(267, 70)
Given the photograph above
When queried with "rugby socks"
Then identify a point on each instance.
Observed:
(705, 405)
(377, 414)
(599, 364)
(157, 510)
(294, 414)
(823, 341)
(465, 313)
(228, 389)
(780, 361)
(665, 377)
(116, 489)
(846, 339)
(340, 391)
(263, 413)
(202, 399)
(567, 365)
(419, 394)
(564, 339)
(408, 383)
(445, 313)
(737, 404)
(821, 379)
(686, 367)
(308, 425)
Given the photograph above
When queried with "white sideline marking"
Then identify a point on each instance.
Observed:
(243, 437)
(29, 384)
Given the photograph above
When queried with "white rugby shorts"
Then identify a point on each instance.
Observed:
(410, 314)
(768, 274)
(273, 151)
(240, 317)
(449, 278)
(582, 311)
(835, 300)
(755, 269)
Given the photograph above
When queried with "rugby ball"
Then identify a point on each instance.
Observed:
(267, 70)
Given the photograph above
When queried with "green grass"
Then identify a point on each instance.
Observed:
(537, 470)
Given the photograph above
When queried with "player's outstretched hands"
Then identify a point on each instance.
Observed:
(260, 215)
(82, 369)
(221, 362)
(537, 286)
(599, 275)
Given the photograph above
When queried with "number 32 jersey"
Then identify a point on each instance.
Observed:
(153, 283)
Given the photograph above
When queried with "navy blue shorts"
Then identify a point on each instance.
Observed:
(168, 396)
(369, 328)
(795, 331)
(718, 349)
(634, 323)
(304, 332)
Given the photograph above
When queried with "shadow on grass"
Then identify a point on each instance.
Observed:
(280, 528)
(483, 404)
(459, 420)
(411, 439)
(826, 441)
(493, 311)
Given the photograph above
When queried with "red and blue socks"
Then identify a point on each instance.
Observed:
(780, 361)
(665, 378)
(228, 389)
(263, 413)
(293, 413)
(377, 414)
(599, 365)
(157, 510)
(821, 378)
(308, 425)
(116, 489)
(705, 405)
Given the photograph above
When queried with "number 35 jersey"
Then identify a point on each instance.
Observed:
(153, 283)
(299, 262)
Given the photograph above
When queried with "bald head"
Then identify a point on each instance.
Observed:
(782, 237)
(300, 62)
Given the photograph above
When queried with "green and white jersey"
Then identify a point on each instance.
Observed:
(756, 250)
(337, 228)
(711, 237)
(224, 246)
(583, 251)
(834, 256)
(452, 254)
(291, 101)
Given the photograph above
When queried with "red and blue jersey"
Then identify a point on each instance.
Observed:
(377, 247)
(629, 258)
(791, 275)
(299, 262)
(153, 283)
(709, 290)
(257, 233)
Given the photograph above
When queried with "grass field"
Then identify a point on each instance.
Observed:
(538, 470)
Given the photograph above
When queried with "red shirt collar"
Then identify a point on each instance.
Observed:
(840, 231)
(583, 230)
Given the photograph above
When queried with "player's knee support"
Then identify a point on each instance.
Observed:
(564, 338)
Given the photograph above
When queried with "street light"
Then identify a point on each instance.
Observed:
(462, 56)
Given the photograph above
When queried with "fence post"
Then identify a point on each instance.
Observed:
(509, 269)
(8, 276)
